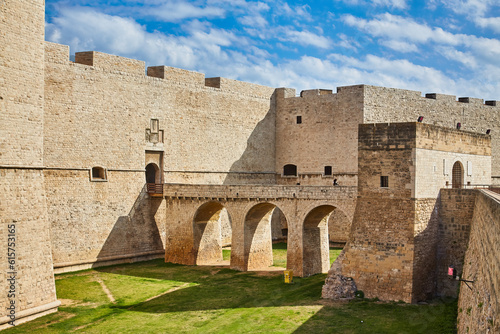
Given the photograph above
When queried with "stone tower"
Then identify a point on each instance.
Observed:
(27, 288)
(393, 253)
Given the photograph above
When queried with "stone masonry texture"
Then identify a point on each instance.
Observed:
(479, 307)
(80, 139)
(27, 286)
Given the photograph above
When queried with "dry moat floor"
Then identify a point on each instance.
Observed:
(157, 297)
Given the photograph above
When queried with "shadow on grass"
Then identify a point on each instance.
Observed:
(220, 288)
(154, 297)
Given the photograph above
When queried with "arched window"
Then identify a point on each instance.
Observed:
(151, 173)
(457, 175)
(98, 174)
(289, 170)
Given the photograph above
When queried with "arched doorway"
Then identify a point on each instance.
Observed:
(457, 175)
(152, 173)
(316, 246)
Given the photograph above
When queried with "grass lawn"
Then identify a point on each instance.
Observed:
(279, 254)
(157, 297)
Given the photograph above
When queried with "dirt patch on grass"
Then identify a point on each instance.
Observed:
(67, 302)
(61, 317)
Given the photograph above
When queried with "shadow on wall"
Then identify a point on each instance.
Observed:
(425, 264)
(259, 155)
(136, 233)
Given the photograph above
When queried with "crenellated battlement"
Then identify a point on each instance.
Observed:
(59, 54)
(110, 62)
(177, 75)
(226, 84)
(56, 53)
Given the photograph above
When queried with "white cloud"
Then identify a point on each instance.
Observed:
(396, 29)
(398, 4)
(472, 7)
(174, 11)
(305, 38)
(302, 12)
(476, 11)
(253, 21)
(492, 23)
(400, 46)
(465, 58)
(237, 55)
(85, 30)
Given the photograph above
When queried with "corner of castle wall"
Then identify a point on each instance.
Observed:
(56, 53)
(284, 93)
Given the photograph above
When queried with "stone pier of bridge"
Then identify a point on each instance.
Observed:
(195, 212)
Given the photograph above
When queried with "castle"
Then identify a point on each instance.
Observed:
(104, 161)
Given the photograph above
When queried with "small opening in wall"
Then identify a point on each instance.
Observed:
(290, 170)
(98, 174)
(299, 119)
(384, 181)
(328, 170)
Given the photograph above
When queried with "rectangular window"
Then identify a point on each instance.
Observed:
(98, 174)
(469, 168)
(384, 181)
(299, 119)
(328, 170)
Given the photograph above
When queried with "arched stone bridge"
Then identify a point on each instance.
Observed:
(193, 227)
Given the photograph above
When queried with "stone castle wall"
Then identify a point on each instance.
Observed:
(27, 288)
(379, 255)
(325, 135)
(99, 222)
(104, 111)
(455, 218)
(479, 307)
(97, 113)
(395, 248)
(397, 105)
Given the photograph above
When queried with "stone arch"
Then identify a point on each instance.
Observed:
(258, 251)
(315, 243)
(207, 233)
(153, 174)
(457, 175)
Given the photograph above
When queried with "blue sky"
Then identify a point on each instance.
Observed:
(433, 46)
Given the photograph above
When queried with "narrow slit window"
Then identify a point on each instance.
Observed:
(328, 170)
(384, 181)
(299, 119)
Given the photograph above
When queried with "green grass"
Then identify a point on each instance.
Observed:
(202, 299)
(279, 254)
